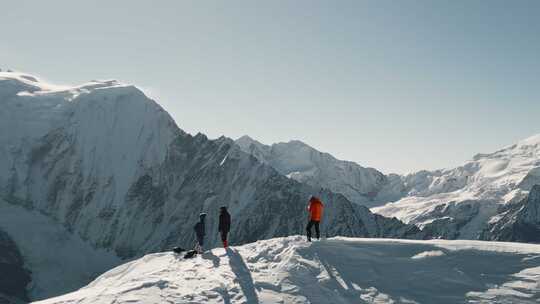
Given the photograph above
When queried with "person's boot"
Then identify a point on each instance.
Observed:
(225, 244)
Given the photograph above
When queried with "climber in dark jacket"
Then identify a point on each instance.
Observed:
(224, 224)
(200, 231)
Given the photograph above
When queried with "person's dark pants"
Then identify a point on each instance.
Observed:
(200, 240)
(224, 238)
(200, 244)
(317, 231)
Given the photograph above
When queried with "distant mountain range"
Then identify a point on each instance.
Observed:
(95, 174)
(482, 199)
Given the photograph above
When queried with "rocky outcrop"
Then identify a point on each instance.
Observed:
(517, 222)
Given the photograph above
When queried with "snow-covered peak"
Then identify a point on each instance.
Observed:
(297, 160)
(246, 140)
(530, 141)
(522, 148)
(24, 84)
(487, 174)
(337, 270)
(108, 130)
(469, 195)
(27, 81)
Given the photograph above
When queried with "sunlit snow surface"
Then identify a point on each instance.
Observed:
(338, 270)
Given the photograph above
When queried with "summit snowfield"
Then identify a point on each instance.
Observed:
(338, 270)
(103, 169)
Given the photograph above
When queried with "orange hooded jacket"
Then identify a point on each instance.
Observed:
(315, 209)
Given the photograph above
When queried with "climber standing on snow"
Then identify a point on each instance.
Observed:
(224, 224)
(200, 231)
(315, 210)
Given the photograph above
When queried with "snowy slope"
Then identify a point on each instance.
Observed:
(14, 275)
(59, 260)
(457, 203)
(299, 161)
(108, 167)
(339, 270)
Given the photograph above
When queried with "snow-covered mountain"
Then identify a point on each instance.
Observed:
(301, 162)
(450, 203)
(103, 169)
(338, 270)
(460, 202)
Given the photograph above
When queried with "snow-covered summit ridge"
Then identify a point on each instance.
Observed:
(338, 270)
(27, 84)
(33, 84)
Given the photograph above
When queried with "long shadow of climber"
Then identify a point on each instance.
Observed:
(243, 275)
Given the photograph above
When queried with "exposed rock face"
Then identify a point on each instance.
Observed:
(15, 277)
(517, 222)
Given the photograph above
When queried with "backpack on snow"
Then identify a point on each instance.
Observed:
(190, 254)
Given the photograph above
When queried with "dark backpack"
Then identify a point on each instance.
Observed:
(190, 254)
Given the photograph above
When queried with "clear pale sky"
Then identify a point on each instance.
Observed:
(396, 85)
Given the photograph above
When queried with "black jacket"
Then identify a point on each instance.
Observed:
(200, 229)
(224, 221)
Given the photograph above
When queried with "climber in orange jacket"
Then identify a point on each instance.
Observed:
(315, 209)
